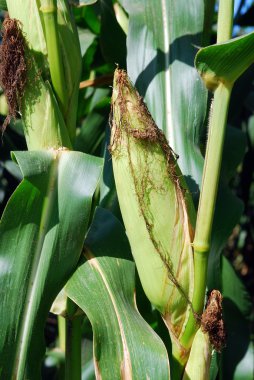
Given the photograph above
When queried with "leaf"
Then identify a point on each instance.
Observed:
(87, 360)
(42, 233)
(237, 307)
(108, 195)
(214, 367)
(245, 369)
(125, 346)
(81, 3)
(112, 39)
(106, 236)
(229, 208)
(161, 47)
(3, 5)
(86, 38)
(91, 131)
(225, 62)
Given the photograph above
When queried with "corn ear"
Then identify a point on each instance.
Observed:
(46, 126)
(156, 206)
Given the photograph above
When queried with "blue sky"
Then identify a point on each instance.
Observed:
(237, 2)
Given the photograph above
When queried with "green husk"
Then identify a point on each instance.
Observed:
(198, 365)
(48, 125)
(156, 206)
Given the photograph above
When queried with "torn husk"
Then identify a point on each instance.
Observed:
(156, 206)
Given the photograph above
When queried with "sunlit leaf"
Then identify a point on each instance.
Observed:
(42, 234)
(125, 346)
(225, 62)
(161, 43)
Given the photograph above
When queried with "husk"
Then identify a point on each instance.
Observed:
(156, 206)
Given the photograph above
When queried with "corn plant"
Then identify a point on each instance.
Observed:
(103, 191)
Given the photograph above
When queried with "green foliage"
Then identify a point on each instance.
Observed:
(225, 62)
(42, 229)
(67, 202)
(104, 289)
(165, 38)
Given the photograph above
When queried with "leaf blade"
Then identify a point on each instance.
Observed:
(48, 229)
(107, 284)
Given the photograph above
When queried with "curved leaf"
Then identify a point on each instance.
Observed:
(225, 62)
(42, 233)
(125, 346)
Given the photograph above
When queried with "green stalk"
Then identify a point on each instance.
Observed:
(49, 11)
(73, 343)
(61, 333)
(225, 20)
(211, 174)
(208, 196)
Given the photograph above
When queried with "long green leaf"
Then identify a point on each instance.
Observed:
(125, 346)
(42, 233)
(165, 35)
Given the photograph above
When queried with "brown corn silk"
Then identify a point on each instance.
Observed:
(13, 67)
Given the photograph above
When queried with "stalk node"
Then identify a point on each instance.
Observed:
(200, 247)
